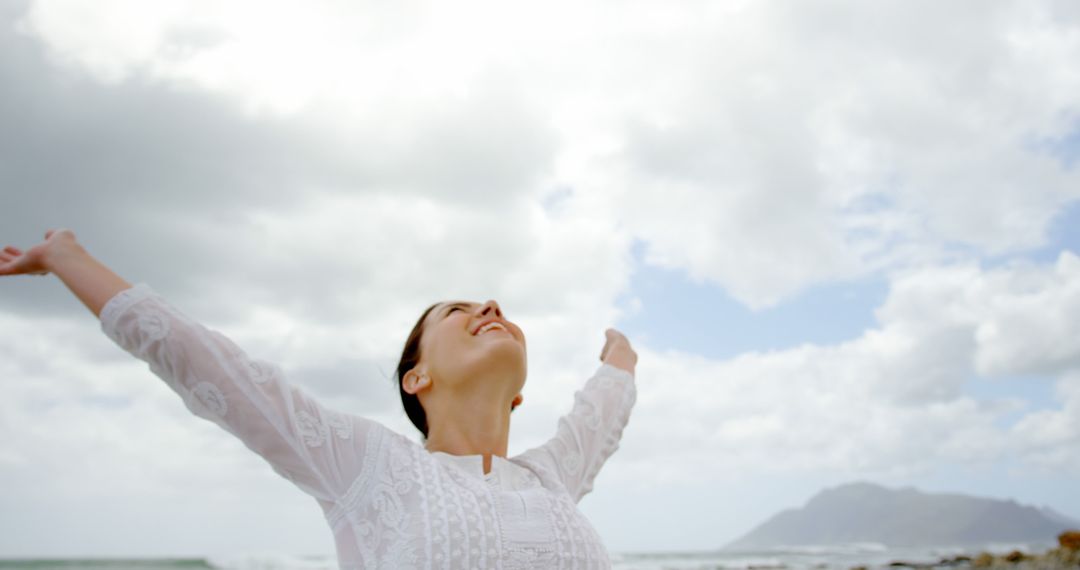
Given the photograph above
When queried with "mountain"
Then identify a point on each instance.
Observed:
(1058, 517)
(865, 512)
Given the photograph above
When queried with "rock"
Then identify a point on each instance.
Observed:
(1064, 557)
(905, 564)
(1070, 540)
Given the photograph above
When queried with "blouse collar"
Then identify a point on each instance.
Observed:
(471, 464)
(505, 474)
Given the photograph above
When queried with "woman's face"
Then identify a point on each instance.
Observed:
(460, 347)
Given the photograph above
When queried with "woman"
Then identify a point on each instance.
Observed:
(457, 501)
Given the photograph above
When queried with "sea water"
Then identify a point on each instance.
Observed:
(870, 555)
(843, 557)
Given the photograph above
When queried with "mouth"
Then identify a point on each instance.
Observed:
(491, 327)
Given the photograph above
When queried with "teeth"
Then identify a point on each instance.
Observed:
(488, 327)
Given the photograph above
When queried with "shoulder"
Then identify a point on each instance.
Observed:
(538, 462)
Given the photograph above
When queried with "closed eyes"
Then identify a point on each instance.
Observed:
(454, 307)
(457, 307)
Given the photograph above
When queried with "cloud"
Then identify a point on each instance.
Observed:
(1051, 438)
(174, 186)
(1034, 330)
(811, 143)
(779, 146)
(892, 402)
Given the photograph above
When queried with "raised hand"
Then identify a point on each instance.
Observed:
(617, 351)
(90, 281)
(14, 261)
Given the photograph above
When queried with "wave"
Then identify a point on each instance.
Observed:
(273, 561)
(104, 564)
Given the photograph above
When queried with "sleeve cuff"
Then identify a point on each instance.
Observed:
(120, 302)
(609, 370)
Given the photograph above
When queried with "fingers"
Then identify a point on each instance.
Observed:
(615, 336)
(7, 268)
(9, 254)
(49, 233)
(7, 257)
(12, 262)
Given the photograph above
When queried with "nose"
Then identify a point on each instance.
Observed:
(491, 307)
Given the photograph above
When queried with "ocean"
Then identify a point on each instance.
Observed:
(872, 556)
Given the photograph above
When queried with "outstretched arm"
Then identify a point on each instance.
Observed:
(89, 279)
(587, 436)
(320, 450)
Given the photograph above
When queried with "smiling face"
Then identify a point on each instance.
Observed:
(471, 351)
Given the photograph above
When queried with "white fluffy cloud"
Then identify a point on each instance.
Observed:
(1051, 438)
(812, 142)
(761, 146)
(890, 402)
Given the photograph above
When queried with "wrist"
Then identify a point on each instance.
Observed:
(621, 362)
(61, 252)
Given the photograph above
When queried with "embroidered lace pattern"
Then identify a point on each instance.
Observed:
(388, 501)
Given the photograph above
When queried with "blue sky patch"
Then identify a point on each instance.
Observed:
(704, 319)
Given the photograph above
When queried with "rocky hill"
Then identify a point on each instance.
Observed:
(865, 512)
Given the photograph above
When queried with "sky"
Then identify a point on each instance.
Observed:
(842, 238)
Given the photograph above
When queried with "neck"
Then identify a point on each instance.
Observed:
(470, 428)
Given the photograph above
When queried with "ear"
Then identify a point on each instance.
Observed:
(517, 401)
(415, 381)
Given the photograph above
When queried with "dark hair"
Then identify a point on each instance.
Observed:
(410, 357)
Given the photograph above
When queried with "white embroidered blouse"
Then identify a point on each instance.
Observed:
(389, 501)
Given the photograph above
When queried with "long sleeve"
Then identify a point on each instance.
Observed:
(319, 450)
(588, 435)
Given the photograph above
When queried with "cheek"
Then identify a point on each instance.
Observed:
(444, 357)
(447, 341)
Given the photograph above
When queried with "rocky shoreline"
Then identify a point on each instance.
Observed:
(1065, 556)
